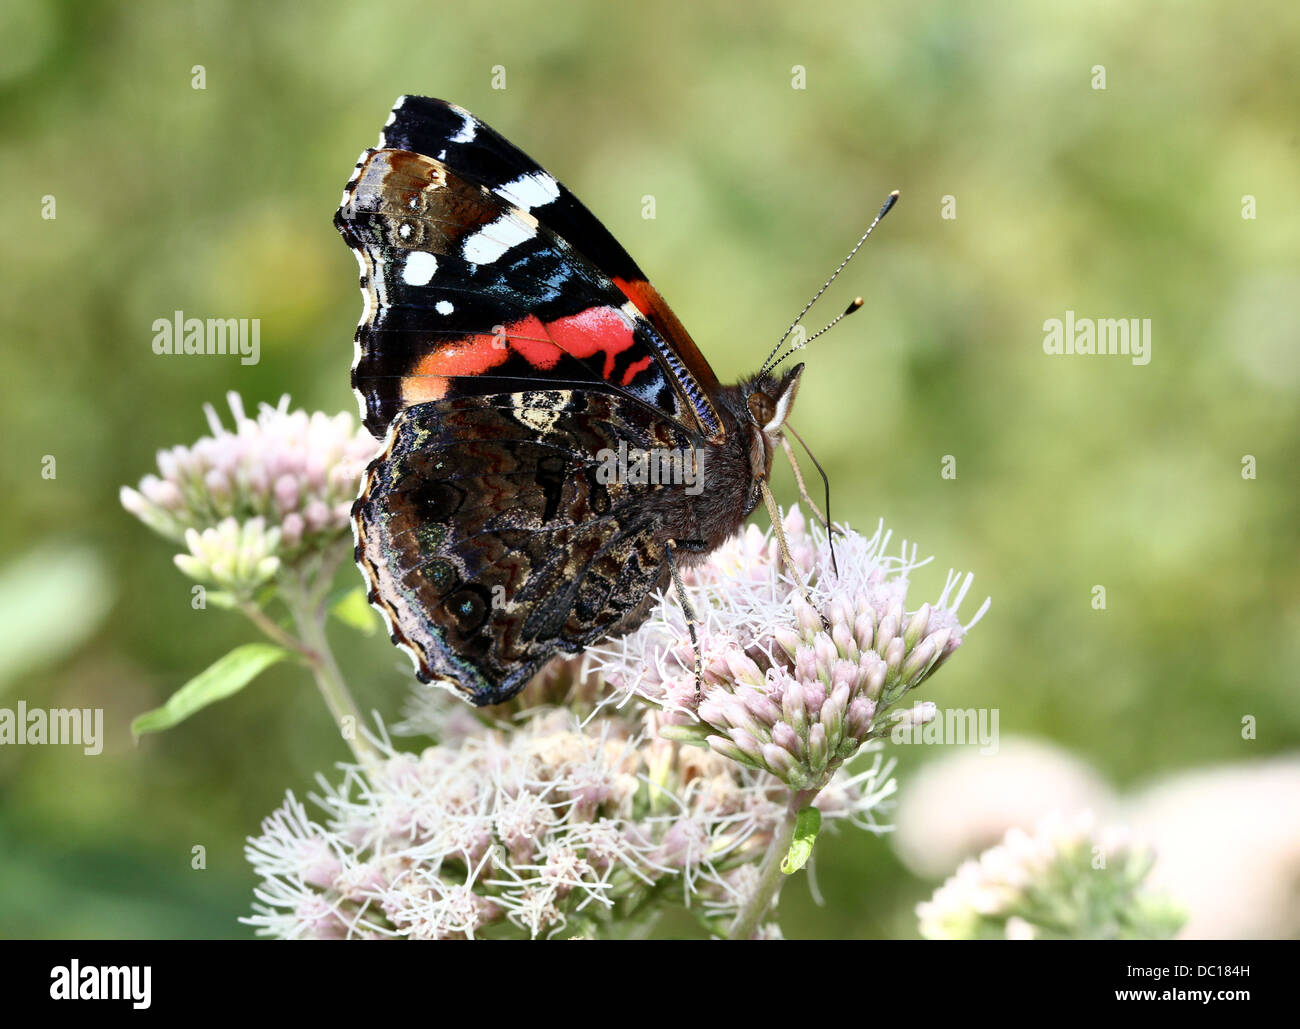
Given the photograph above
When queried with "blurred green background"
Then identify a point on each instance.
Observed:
(1071, 471)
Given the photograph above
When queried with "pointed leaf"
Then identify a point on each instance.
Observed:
(225, 677)
(806, 827)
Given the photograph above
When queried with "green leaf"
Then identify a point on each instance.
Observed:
(225, 677)
(353, 609)
(806, 828)
(696, 734)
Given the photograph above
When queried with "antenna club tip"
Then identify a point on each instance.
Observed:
(895, 194)
(857, 302)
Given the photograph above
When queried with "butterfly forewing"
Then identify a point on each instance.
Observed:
(480, 154)
(462, 283)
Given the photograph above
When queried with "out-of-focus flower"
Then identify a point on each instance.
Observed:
(236, 557)
(793, 683)
(1229, 844)
(264, 504)
(957, 805)
(297, 472)
(1069, 880)
(544, 826)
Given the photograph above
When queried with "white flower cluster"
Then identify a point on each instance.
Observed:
(1070, 879)
(790, 685)
(546, 826)
(297, 472)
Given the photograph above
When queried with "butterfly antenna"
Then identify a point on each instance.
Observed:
(770, 363)
(857, 303)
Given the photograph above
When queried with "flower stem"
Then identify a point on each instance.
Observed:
(770, 875)
(334, 690)
(273, 632)
(307, 605)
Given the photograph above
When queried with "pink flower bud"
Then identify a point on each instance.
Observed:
(291, 529)
(744, 670)
(317, 516)
(894, 652)
(217, 484)
(781, 763)
(817, 750)
(917, 661)
(917, 626)
(886, 633)
(747, 744)
(814, 696)
(783, 735)
(286, 493)
(842, 636)
(793, 709)
(857, 719)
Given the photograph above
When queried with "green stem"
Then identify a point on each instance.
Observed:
(307, 605)
(335, 691)
(770, 875)
(277, 635)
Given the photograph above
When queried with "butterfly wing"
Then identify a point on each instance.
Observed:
(482, 155)
(493, 541)
(508, 345)
(473, 287)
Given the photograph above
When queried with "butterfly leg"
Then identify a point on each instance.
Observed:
(774, 513)
(798, 478)
(803, 490)
(689, 611)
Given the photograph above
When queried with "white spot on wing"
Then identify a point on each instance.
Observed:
(392, 117)
(535, 189)
(444, 307)
(495, 238)
(419, 268)
(466, 132)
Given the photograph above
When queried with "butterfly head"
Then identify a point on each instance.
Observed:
(768, 400)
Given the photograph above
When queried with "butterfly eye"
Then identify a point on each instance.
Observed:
(761, 408)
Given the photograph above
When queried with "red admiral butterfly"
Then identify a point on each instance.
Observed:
(507, 347)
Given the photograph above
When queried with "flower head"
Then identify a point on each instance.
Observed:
(1069, 880)
(297, 472)
(964, 801)
(537, 827)
(236, 557)
(794, 682)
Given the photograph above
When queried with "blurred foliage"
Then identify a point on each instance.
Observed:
(1072, 471)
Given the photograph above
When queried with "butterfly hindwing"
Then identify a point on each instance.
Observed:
(492, 541)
